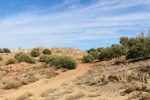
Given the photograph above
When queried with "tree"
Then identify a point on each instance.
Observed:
(100, 49)
(124, 41)
(115, 51)
(139, 47)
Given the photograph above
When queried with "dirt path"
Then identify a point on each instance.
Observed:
(40, 86)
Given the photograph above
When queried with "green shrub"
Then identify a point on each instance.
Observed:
(107, 54)
(88, 58)
(47, 51)
(115, 51)
(1, 50)
(11, 61)
(138, 47)
(91, 50)
(62, 61)
(26, 58)
(35, 53)
(52, 60)
(124, 41)
(6, 50)
(1, 58)
(18, 54)
(66, 62)
(100, 49)
(94, 54)
(43, 58)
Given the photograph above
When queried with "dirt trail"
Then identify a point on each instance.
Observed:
(40, 86)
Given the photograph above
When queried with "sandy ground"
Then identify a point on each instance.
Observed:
(42, 85)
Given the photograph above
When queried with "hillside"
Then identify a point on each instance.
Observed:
(76, 53)
(103, 80)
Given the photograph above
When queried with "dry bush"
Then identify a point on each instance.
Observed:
(32, 79)
(11, 61)
(25, 96)
(12, 84)
(24, 81)
(51, 74)
(75, 96)
(1, 58)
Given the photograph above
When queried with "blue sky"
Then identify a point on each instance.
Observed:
(82, 24)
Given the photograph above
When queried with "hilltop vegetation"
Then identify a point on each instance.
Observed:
(134, 47)
(5, 50)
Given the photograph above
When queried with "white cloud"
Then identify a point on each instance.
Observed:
(95, 21)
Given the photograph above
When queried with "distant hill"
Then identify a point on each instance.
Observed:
(75, 53)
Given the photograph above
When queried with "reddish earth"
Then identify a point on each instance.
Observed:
(42, 85)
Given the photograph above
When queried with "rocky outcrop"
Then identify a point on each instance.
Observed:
(121, 73)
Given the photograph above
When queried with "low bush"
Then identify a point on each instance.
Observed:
(35, 53)
(88, 58)
(91, 50)
(66, 62)
(100, 49)
(94, 54)
(6, 50)
(26, 58)
(11, 61)
(62, 61)
(52, 60)
(28, 80)
(12, 84)
(25, 96)
(43, 58)
(18, 54)
(115, 51)
(47, 51)
(1, 58)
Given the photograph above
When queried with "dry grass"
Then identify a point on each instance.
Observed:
(12, 84)
(25, 96)
(74, 96)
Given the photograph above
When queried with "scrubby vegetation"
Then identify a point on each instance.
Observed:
(43, 58)
(5, 50)
(12, 84)
(35, 52)
(134, 47)
(47, 51)
(138, 47)
(11, 61)
(88, 58)
(115, 51)
(26, 58)
(62, 61)
(18, 54)
(1, 58)
(1, 50)
(92, 55)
